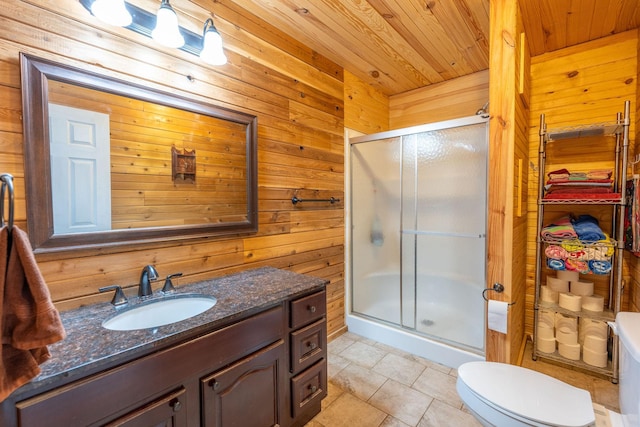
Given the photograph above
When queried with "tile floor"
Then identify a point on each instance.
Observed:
(374, 385)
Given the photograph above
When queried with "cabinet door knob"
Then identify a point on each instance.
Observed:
(214, 384)
(313, 388)
(312, 345)
(176, 405)
(312, 308)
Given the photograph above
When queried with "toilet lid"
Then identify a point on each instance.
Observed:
(528, 394)
(629, 332)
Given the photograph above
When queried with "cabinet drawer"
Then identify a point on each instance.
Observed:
(169, 410)
(307, 309)
(308, 345)
(309, 387)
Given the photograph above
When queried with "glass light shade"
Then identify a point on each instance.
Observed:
(167, 32)
(212, 52)
(113, 12)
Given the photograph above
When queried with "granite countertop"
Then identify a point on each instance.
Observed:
(90, 348)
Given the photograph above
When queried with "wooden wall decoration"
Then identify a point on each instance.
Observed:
(183, 165)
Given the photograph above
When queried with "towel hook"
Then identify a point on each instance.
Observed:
(7, 185)
(497, 287)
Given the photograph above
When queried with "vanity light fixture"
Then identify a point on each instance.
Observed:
(212, 52)
(150, 25)
(113, 12)
(167, 31)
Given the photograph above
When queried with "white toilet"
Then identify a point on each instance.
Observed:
(503, 395)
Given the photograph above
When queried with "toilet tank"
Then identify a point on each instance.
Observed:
(628, 329)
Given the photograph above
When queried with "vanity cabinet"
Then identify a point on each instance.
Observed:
(307, 356)
(163, 385)
(268, 369)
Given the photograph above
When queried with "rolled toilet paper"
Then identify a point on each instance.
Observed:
(595, 343)
(593, 303)
(548, 295)
(563, 321)
(581, 288)
(565, 336)
(545, 331)
(546, 345)
(570, 301)
(570, 351)
(547, 317)
(594, 358)
(598, 328)
(568, 275)
(558, 285)
(497, 316)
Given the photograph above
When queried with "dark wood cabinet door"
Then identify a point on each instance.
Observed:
(247, 393)
(168, 411)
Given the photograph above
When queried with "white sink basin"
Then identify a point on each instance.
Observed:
(158, 312)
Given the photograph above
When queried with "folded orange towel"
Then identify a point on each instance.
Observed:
(29, 320)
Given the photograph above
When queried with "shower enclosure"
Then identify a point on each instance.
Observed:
(418, 213)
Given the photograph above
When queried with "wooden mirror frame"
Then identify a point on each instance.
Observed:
(35, 74)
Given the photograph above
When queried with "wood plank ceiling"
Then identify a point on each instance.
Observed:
(400, 45)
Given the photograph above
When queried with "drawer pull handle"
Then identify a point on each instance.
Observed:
(176, 405)
(312, 308)
(312, 345)
(313, 388)
(214, 384)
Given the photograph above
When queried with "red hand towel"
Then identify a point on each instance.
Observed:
(29, 319)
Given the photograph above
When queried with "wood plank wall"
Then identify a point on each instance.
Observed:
(365, 108)
(587, 83)
(296, 94)
(508, 119)
(452, 99)
(519, 192)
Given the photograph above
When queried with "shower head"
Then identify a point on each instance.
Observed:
(483, 111)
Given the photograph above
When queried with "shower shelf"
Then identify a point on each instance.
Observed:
(604, 316)
(610, 279)
(584, 131)
(555, 356)
(592, 258)
(599, 199)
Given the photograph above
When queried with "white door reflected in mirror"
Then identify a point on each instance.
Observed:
(80, 173)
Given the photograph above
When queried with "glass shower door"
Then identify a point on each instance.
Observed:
(375, 229)
(444, 207)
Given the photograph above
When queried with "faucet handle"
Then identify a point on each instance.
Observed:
(119, 297)
(168, 285)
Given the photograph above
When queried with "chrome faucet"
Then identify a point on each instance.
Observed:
(149, 273)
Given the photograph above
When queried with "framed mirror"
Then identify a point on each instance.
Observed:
(109, 162)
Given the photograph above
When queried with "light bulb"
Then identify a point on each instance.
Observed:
(212, 52)
(113, 12)
(167, 32)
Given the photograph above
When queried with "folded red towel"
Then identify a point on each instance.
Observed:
(599, 174)
(29, 319)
